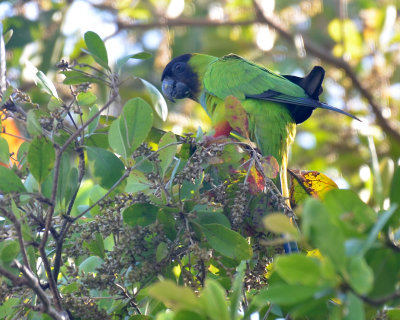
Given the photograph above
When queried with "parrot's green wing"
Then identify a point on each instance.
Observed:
(233, 75)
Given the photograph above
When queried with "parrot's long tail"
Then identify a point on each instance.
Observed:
(289, 247)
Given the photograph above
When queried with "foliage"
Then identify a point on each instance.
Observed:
(103, 216)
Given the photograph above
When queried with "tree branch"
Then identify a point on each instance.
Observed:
(34, 284)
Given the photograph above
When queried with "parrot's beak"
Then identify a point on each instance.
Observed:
(173, 89)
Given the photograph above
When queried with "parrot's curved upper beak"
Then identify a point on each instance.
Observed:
(173, 89)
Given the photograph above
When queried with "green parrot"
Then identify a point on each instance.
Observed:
(274, 103)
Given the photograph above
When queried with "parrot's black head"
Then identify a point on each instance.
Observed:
(179, 80)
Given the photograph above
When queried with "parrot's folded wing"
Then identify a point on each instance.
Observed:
(274, 96)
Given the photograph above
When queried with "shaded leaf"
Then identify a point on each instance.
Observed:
(90, 264)
(131, 128)
(226, 241)
(96, 246)
(361, 276)
(104, 166)
(174, 297)
(32, 124)
(287, 294)
(167, 155)
(76, 77)
(141, 214)
(213, 301)
(86, 98)
(298, 269)
(279, 224)
(9, 181)
(4, 151)
(41, 157)
(161, 251)
(9, 251)
(137, 181)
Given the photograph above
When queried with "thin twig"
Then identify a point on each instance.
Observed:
(34, 284)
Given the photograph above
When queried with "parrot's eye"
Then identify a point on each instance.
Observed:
(179, 67)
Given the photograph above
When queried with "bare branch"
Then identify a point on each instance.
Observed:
(34, 284)
(17, 281)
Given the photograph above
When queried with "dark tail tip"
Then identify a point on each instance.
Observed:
(312, 83)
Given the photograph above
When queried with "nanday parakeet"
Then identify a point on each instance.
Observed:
(274, 103)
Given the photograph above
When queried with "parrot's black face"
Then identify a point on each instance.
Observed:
(179, 80)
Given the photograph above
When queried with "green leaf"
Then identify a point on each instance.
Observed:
(104, 166)
(4, 151)
(237, 288)
(161, 251)
(9, 181)
(86, 98)
(393, 314)
(354, 216)
(206, 214)
(360, 277)
(9, 307)
(93, 125)
(141, 214)
(280, 224)
(319, 227)
(32, 124)
(287, 294)
(131, 128)
(7, 35)
(54, 104)
(139, 55)
(213, 301)
(157, 100)
(96, 246)
(378, 226)
(386, 267)
(96, 48)
(70, 288)
(354, 308)
(90, 264)
(174, 297)
(395, 198)
(137, 181)
(9, 250)
(168, 222)
(47, 84)
(298, 269)
(6, 96)
(76, 77)
(226, 241)
(41, 157)
(167, 155)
